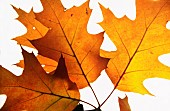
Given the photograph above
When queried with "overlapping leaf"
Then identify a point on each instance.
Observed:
(139, 43)
(35, 90)
(68, 35)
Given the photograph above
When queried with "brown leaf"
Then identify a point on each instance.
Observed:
(139, 43)
(68, 35)
(35, 29)
(49, 64)
(124, 105)
(35, 90)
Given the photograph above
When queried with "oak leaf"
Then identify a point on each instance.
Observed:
(123, 104)
(139, 44)
(35, 90)
(68, 35)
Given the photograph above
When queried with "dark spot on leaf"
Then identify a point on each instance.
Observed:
(151, 52)
(86, 11)
(65, 9)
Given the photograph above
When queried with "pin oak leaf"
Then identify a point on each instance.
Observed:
(35, 90)
(139, 44)
(68, 35)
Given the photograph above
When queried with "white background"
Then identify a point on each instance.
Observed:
(10, 53)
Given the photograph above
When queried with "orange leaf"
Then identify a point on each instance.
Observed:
(35, 29)
(139, 43)
(68, 35)
(36, 90)
(124, 105)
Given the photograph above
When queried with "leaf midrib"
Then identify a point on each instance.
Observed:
(139, 44)
(75, 55)
(130, 60)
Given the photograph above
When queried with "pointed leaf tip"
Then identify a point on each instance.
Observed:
(62, 73)
(15, 8)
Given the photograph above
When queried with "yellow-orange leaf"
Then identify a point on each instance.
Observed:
(139, 43)
(35, 90)
(123, 104)
(68, 35)
(49, 64)
(35, 29)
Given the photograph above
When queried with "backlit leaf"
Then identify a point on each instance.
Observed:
(68, 35)
(139, 44)
(35, 90)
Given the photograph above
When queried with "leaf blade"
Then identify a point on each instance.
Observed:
(67, 36)
(148, 34)
(35, 90)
